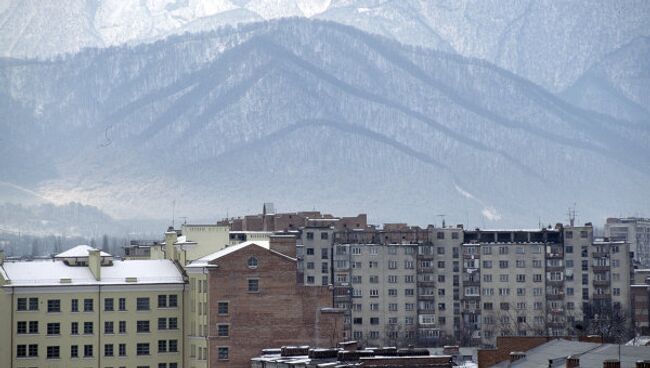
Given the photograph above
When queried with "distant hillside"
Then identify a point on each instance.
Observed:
(311, 114)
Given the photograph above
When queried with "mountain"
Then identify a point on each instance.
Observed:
(311, 113)
(618, 85)
(548, 42)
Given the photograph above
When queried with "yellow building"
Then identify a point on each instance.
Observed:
(85, 309)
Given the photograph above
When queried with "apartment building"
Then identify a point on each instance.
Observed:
(634, 230)
(84, 308)
(510, 280)
(247, 296)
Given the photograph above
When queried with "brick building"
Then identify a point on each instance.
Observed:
(248, 297)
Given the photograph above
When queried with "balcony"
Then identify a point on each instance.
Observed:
(600, 254)
(425, 283)
(556, 324)
(426, 297)
(555, 255)
(558, 296)
(601, 282)
(601, 296)
(554, 282)
(557, 311)
(600, 268)
(554, 268)
(472, 282)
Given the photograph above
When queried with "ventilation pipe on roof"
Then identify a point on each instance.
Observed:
(611, 363)
(573, 361)
(517, 355)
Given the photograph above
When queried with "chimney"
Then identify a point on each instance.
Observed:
(95, 263)
(643, 364)
(573, 361)
(517, 355)
(285, 244)
(611, 363)
(170, 238)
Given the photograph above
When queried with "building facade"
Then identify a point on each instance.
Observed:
(634, 230)
(84, 308)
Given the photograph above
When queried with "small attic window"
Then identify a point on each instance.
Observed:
(252, 262)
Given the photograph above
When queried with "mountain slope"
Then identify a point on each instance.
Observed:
(314, 113)
(618, 85)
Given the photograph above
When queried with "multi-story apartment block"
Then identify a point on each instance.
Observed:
(634, 230)
(511, 280)
(83, 308)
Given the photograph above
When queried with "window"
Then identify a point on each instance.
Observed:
(310, 251)
(108, 304)
(454, 235)
(53, 328)
(122, 327)
(122, 304)
(108, 350)
(374, 320)
(21, 327)
(324, 236)
(253, 285)
(521, 278)
(142, 304)
(310, 235)
(88, 328)
(74, 351)
(252, 262)
(569, 234)
(53, 305)
(440, 235)
(172, 301)
(310, 265)
(173, 346)
(121, 350)
(53, 352)
(503, 264)
(74, 328)
(33, 327)
(162, 346)
(537, 277)
(374, 293)
(223, 330)
(74, 306)
(21, 351)
(487, 264)
(88, 350)
(143, 326)
(162, 301)
(108, 328)
(324, 253)
(441, 264)
(503, 277)
(392, 264)
(222, 353)
(324, 267)
(162, 324)
(487, 278)
(222, 308)
(23, 304)
(142, 349)
(583, 234)
(88, 305)
(520, 263)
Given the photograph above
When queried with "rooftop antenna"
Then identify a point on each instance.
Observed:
(442, 216)
(572, 215)
(173, 212)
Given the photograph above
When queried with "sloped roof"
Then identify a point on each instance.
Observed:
(79, 251)
(205, 261)
(50, 272)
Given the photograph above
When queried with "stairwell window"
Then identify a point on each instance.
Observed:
(253, 285)
(252, 262)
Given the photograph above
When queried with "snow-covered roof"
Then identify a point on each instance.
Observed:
(79, 251)
(183, 240)
(205, 261)
(50, 273)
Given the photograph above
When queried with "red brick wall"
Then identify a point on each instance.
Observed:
(506, 345)
(281, 313)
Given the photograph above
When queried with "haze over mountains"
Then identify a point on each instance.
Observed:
(312, 113)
